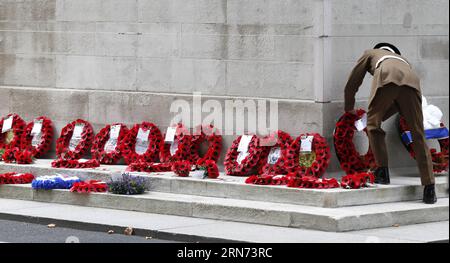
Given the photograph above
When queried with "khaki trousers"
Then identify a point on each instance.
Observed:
(408, 102)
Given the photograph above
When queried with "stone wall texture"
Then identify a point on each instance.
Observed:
(128, 60)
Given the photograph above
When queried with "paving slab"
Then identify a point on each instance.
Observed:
(194, 229)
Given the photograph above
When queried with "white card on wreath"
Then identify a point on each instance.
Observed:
(143, 135)
(306, 144)
(361, 124)
(7, 124)
(111, 144)
(142, 142)
(174, 148)
(170, 134)
(244, 143)
(78, 130)
(114, 131)
(37, 127)
(36, 140)
(241, 157)
(274, 155)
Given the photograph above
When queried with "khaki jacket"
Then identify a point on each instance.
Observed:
(389, 71)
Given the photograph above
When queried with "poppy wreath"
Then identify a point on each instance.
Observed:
(16, 155)
(184, 146)
(312, 182)
(46, 137)
(232, 167)
(15, 178)
(75, 164)
(89, 186)
(62, 144)
(350, 159)
(18, 127)
(206, 133)
(182, 168)
(284, 141)
(98, 146)
(210, 167)
(141, 166)
(440, 159)
(267, 179)
(358, 180)
(321, 155)
(128, 144)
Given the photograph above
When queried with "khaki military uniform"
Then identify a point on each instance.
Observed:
(395, 88)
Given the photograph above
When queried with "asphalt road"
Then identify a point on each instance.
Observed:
(20, 232)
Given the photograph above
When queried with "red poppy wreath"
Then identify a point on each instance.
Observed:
(350, 159)
(312, 182)
(11, 138)
(75, 140)
(179, 149)
(142, 143)
(440, 159)
(243, 163)
(38, 136)
(182, 168)
(311, 163)
(142, 166)
(87, 187)
(357, 181)
(17, 155)
(267, 179)
(210, 168)
(273, 160)
(209, 134)
(75, 164)
(15, 178)
(106, 145)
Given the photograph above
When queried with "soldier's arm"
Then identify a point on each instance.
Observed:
(355, 80)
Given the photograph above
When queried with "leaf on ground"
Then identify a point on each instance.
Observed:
(129, 231)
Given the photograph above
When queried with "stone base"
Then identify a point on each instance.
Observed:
(405, 186)
(229, 198)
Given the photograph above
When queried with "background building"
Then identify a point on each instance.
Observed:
(126, 60)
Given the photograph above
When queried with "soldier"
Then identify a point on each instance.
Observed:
(395, 88)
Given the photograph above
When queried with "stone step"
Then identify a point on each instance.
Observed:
(257, 212)
(405, 186)
(188, 229)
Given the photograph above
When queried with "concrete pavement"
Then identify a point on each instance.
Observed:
(206, 230)
(23, 232)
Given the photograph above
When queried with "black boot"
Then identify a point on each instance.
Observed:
(382, 175)
(429, 194)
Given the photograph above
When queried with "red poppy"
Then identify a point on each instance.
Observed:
(16, 178)
(128, 145)
(182, 168)
(350, 159)
(89, 186)
(322, 156)
(18, 127)
(142, 166)
(62, 144)
(209, 134)
(249, 163)
(183, 151)
(45, 140)
(75, 164)
(98, 149)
